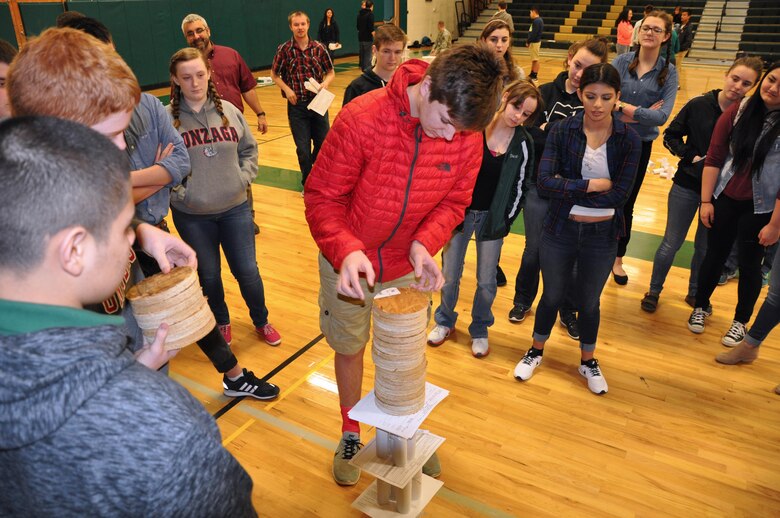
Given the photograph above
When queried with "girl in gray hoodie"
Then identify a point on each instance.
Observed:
(210, 208)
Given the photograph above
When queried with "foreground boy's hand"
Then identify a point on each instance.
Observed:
(425, 268)
(349, 275)
(154, 355)
(167, 250)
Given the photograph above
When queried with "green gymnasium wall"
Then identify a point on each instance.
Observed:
(147, 32)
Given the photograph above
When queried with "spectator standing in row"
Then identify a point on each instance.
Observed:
(328, 32)
(688, 137)
(230, 74)
(686, 39)
(503, 15)
(649, 85)
(534, 42)
(389, 46)
(365, 27)
(624, 31)
(295, 61)
(443, 40)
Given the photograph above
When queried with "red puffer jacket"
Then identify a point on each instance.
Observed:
(380, 183)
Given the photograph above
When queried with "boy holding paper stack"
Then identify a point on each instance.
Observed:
(297, 62)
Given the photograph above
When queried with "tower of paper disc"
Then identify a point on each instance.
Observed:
(399, 351)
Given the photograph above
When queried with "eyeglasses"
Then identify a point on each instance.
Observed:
(656, 30)
(197, 32)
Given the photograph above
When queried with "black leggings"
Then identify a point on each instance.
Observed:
(213, 344)
(628, 208)
(734, 220)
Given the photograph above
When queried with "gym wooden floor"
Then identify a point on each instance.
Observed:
(677, 435)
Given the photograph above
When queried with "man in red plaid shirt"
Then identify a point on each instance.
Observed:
(295, 61)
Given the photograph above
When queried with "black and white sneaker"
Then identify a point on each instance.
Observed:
(249, 385)
(591, 371)
(734, 335)
(517, 313)
(696, 320)
(572, 329)
(526, 366)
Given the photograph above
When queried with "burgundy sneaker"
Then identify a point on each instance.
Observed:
(227, 334)
(269, 334)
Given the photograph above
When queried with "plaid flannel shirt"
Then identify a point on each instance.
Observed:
(560, 172)
(295, 66)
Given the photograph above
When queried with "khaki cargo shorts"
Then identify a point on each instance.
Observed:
(533, 49)
(346, 322)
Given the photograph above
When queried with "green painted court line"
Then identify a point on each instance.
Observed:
(642, 246)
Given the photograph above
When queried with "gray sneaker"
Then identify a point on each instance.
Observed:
(344, 473)
(432, 466)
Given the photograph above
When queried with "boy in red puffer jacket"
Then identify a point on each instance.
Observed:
(391, 182)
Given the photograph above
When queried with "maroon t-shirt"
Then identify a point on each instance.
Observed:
(740, 187)
(230, 75)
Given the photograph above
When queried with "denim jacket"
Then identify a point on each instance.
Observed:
(149, 127)
(765, 185)
(560, 172)
(644, 92)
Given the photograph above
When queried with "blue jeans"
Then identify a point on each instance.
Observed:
(592, 247)
(682, 207)
(307, 126)
(769, 314)
(364, 57)
(453, 258)
(233, 230)
(527, 280)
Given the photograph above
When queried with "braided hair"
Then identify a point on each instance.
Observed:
(189, 54)
(668, 30)
(748, 145)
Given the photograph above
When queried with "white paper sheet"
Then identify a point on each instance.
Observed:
(322, 102)
(405, 426)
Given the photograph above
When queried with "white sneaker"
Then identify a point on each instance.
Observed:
(525, 367)
(480, 347)
(734, 335)
(696, 321)
(438, 334)
(596, 382)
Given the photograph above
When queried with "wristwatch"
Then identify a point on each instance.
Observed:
(260, 114)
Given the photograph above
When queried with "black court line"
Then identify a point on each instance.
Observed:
(222, 411)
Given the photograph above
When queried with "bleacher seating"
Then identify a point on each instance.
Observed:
(760, 33)
(569, 21)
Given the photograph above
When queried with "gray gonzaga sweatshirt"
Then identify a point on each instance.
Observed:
(85, 430)
(223, 159)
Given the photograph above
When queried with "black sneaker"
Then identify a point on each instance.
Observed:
(573, 330)
(249, 385)
(517, 313)
(691, 301)
(500, 277)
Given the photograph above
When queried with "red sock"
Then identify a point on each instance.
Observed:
(347, 424)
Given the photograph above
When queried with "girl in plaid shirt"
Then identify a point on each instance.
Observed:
(587, 170)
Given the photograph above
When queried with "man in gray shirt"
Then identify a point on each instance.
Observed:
(504, 16)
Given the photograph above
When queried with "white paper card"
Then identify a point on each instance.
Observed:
(388, 292)
(405, 426)
(322, 102)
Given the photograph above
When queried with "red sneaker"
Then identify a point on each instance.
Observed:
(269, 334)
(226, 332)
